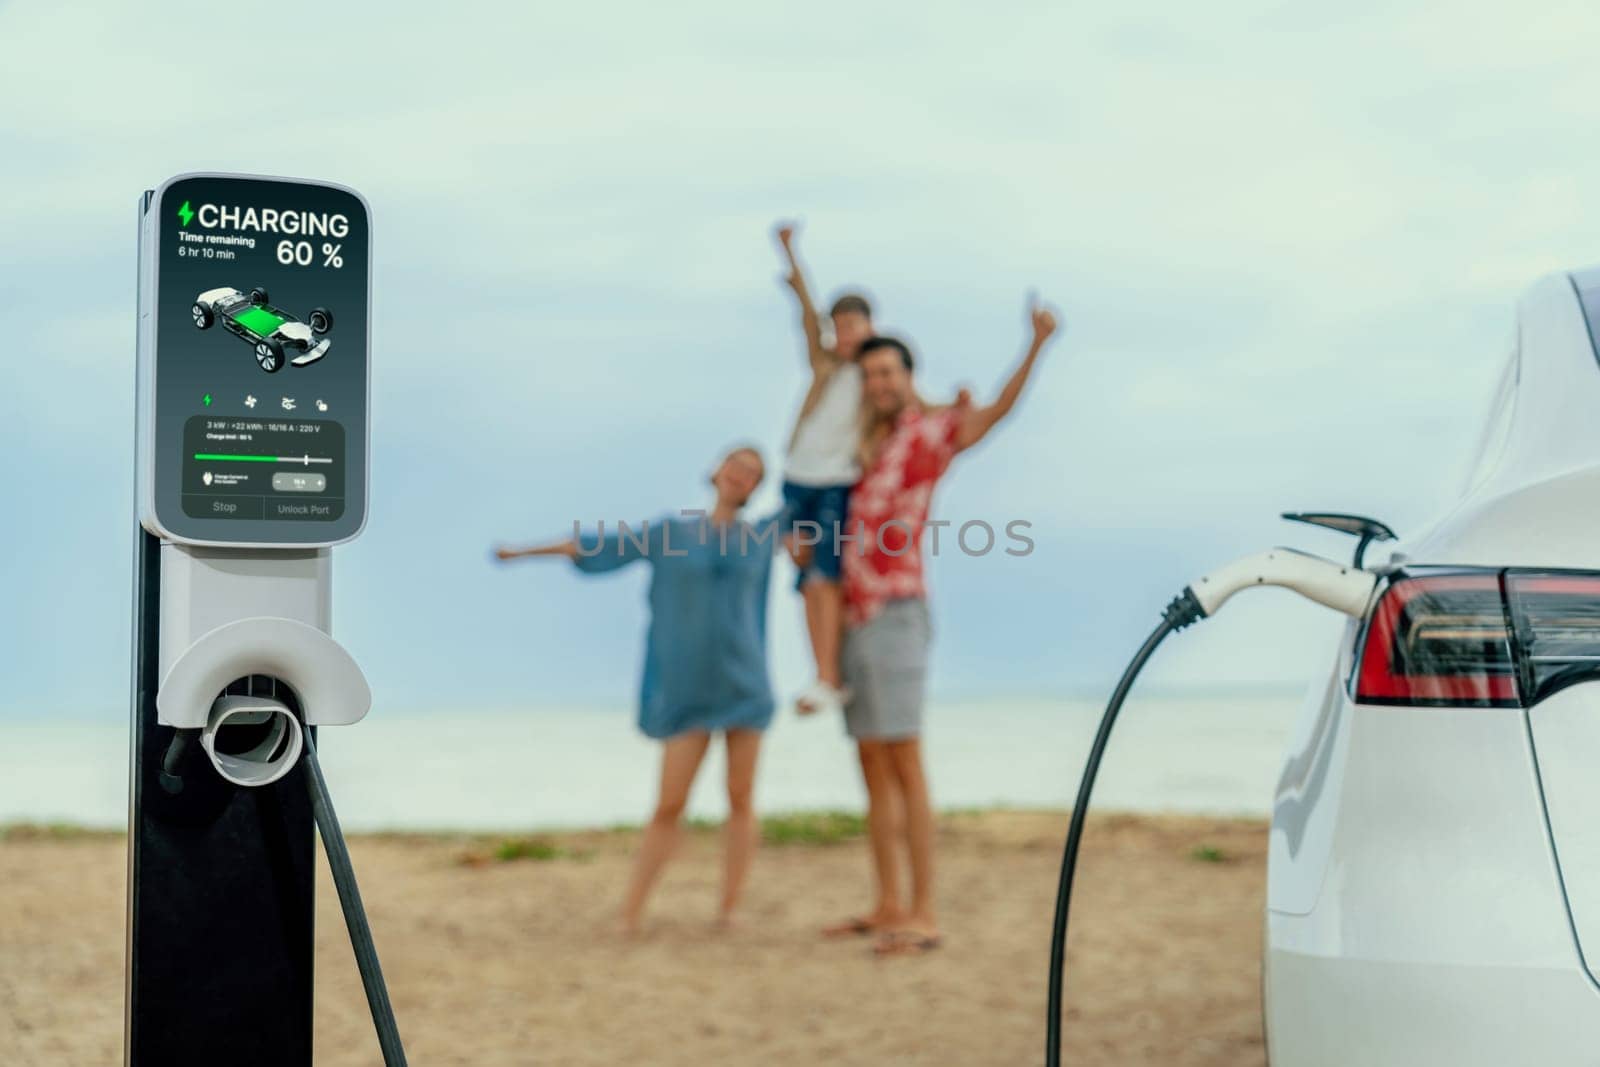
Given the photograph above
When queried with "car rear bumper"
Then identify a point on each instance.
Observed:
(1341, 1010)
(1415, 909)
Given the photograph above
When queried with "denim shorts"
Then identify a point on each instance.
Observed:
(826, 507)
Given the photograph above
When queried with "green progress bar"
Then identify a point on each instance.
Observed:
(224, 457)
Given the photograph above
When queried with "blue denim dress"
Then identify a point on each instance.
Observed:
(705, 660)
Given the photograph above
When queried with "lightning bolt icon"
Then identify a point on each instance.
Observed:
(184, 213)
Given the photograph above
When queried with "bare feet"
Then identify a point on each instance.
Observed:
(908, 939)
(861, 925)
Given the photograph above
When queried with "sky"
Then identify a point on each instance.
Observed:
(1286, 242)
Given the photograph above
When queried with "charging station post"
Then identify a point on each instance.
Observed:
(252, 438)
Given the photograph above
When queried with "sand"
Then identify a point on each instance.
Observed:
(494, 962)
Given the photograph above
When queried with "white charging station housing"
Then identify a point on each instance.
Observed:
(253, 389)
(252, 433)
(253, 383)
(227, 615)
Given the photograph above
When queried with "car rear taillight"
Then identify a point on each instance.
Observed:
(1556, 625)
(1486, 639)
(1439, 640)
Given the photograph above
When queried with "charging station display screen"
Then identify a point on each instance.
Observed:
(257, 292)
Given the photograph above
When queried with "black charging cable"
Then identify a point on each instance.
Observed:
(1183, 610)
(355, 916)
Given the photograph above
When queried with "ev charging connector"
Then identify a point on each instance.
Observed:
(1345, 588)
(277, 739)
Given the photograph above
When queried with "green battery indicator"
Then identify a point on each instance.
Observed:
(224, 457)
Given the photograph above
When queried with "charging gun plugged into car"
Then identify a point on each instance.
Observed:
(1433, 868)
(1346, 588)
(238, 514)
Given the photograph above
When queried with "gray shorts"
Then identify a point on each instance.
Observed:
(885, 666)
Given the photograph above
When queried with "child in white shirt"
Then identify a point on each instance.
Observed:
(821, 467)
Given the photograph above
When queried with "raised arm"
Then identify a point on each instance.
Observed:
(810, 323)
(607, 549)
(568, 549)
(976, 422)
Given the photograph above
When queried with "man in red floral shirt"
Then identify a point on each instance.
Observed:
(906, 448)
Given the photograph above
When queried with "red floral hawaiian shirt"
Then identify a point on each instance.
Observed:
(888, 510)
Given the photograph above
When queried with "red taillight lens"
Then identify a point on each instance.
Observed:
(1439, 640)
(1486, 639)
(1557, 628)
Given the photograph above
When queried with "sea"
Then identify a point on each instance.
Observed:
(519, 769)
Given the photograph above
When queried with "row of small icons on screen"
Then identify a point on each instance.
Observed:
(289, 403)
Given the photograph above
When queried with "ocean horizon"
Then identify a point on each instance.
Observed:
(1204, 752)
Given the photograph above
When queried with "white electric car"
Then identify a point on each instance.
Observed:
(1434, 867)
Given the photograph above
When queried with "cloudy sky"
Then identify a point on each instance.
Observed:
(1287, 244)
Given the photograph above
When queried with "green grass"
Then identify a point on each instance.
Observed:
(785, 828)
(537, 849)
(53, 831)
(813, 828)
(1207, 854)
(975, 811)
(527, 849)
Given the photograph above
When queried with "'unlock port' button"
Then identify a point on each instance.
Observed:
(290, 482)
(310, 510)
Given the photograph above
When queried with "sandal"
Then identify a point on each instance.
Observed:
(855, 926)
(906, 943)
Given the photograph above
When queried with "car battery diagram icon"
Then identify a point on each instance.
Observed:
(274, 333)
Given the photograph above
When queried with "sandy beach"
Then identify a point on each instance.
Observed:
(499, 952)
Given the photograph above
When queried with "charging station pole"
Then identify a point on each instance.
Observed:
(252, 458)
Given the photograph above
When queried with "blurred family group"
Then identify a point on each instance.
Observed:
(863, 460)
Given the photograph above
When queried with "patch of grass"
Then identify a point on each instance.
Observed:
(1208, 854)
(797, 827)
(813, 828)
(978, 811)
(512, 849)
(53, 831)
(528, 848)
(821, 828)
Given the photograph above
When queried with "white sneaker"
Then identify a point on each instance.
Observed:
(820, 697)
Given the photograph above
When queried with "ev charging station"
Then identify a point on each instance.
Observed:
(252, 458)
